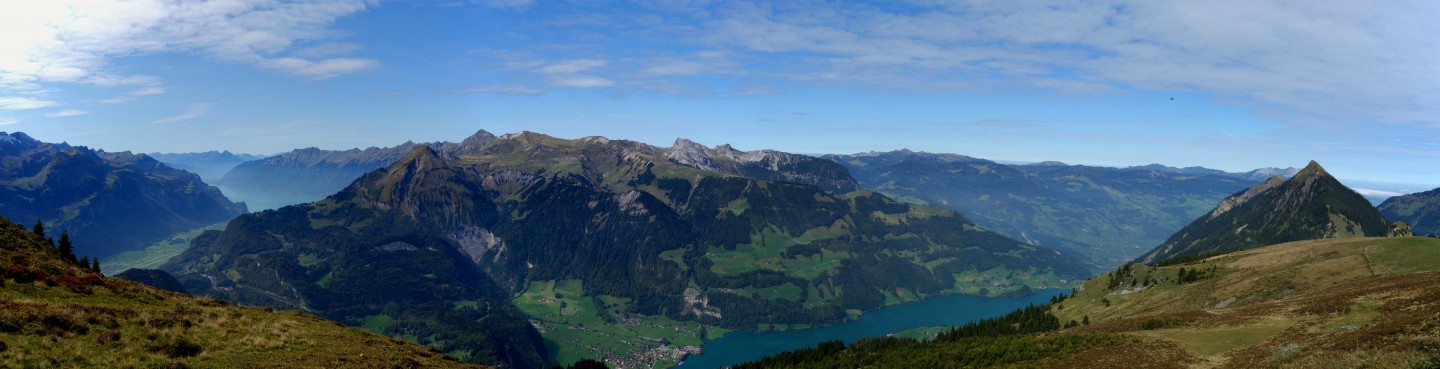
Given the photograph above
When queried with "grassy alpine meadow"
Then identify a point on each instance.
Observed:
(57, 314)
(1333, 303)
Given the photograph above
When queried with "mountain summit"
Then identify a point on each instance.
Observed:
(763, 164)
(1310, 205)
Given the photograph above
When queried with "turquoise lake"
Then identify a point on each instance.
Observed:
(261, 200)
(948, 310)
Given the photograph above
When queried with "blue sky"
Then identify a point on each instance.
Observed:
(1232, 85)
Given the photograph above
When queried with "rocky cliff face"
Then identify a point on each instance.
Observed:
(1310, 205)
(763, 164)
(109, 202)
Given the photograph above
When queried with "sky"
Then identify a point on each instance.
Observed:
(1228, 84)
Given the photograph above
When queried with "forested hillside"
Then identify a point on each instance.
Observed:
(628, 234)
(108, 202)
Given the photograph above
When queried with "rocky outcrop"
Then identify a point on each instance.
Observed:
(763, 164)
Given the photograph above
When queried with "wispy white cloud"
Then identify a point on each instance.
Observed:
(196, 110)
(5, 121)
(327, 49)
(1310, 63)
(67, 113)
(73, 41)
(1376, 193)
(132, 95)
(24, 103)
(571, 66)
(322, 69)
(506, 4)
(500, 89)
(580, 81)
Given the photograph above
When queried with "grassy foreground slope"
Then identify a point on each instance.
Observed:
(1336, 303)
(1319, 303)
(54, 314)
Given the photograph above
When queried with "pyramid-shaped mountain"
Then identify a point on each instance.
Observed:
(637, 230)
(1310, 205)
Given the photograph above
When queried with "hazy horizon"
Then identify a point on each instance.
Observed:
(1231, 85)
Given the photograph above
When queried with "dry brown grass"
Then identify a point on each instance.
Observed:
(1297, 305)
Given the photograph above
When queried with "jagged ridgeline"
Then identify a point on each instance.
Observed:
(57, 314)
(109, 202)
(432, 247)
(1310, 205)
(317, 172)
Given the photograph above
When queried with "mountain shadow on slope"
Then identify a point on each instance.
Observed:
(108, 202)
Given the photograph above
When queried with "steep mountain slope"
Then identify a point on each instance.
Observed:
(109, 202)
(54, 314)
(1108, 214)
(633, 238)
(316, 172)
(1420, 210)
(1310, 205)
(210, 165)
(1341, 303)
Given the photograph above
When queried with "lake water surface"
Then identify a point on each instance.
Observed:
(260, 200)
(948, 310)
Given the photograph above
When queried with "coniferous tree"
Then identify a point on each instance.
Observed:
(1086, 320)
(67, 250)
(95, 265)
(84, 262)
(39, 229)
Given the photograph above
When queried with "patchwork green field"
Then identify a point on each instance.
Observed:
(158, 253)
(577, 327)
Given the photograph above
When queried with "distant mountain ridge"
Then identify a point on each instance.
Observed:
(318, 172)
(1421, 210)
(210, 165)
(1310, 205)
(1253, 175)
(763, 164)
(1108, 214)
(109, 202)
(640, 231)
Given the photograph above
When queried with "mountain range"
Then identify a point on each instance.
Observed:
(1288, 273)
(1107, 214)
(108, 202)
(316, 172)
(209, 165)
(455, 248)
(1420, 210)
(1310, 205)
